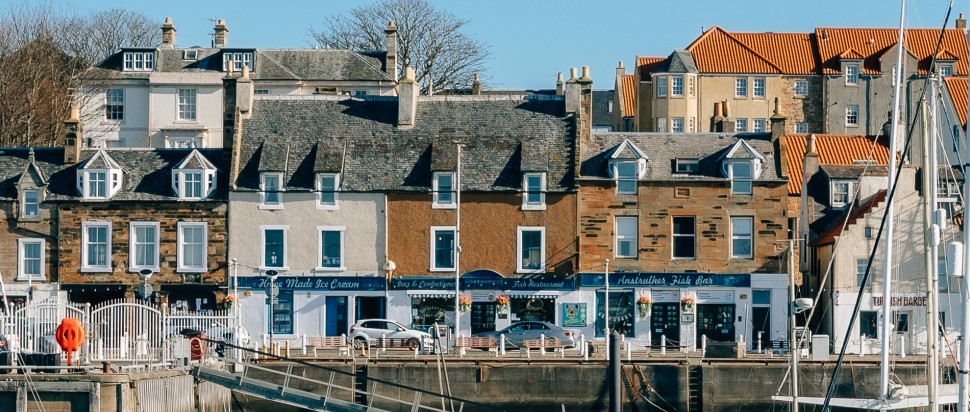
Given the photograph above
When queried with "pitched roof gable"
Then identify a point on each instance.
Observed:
(717, 51)
(195, 161)
(957, 88)
(101, 160)
(859, 211)
(832, 150)
(872, 43)
(627, 150)
(32, 174)
(629, 84)
(792, 53)
(742, 150)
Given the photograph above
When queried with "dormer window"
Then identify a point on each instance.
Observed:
(841, 193)
(741, 176)
(628, 164)
(270, 188)
(741, 165)
(685, 166)
(327, 184)
(100, 178)
(194, 178)
(945, 70)
(139, 61)
(237, 60)
(443, 187)
(852, 74)
(30, 203)
(534, 191)
(625, 173)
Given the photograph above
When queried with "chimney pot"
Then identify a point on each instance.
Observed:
(572, 73)
(559, 88)
(221, 34)
(961, 23)
(168, 34)
(476, 86)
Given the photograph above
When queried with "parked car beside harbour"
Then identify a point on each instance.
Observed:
(520, 331)
(366, 332)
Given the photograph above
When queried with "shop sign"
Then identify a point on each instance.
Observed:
(483, 296)
(665, 296)
(647, 279)
(540, 283)
(423, 283)
(341, 283)
(715, 296)
(506, 284)
(897, 301)
(573, 315)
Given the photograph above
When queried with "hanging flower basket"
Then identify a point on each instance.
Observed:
(643, 306)
(464, 303)
(687, 303)
(503, 302)
(229, 301)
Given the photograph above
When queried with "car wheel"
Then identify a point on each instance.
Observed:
(360, 343)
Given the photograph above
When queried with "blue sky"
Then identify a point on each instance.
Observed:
(531, 40)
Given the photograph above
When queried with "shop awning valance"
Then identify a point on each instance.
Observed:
(534, 295)
(431, 293)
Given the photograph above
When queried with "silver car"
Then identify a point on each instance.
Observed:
(366, 332)
(522, 330)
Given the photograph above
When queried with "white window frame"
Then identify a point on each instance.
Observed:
(945, 70)
(88, 182)
(22, 259)
(621, 179)
(133, 243)
(262, 247)
(26, 206)
(801, 127)
(238, 59)
(181, 265)
(661, 124)
(852, 74)
(759, 125)
(835, 189)
(264, 194)
(741, 125)
(677, 86)
(677, 125)
(138, 61)
(433, 260)
(436, 202)
(343, 261)
(86, 244)
(661, 86)
(684, 166)
(519, 252)
(801, 88)
(860, 270)
(675, 235)
(759, 87)
(328, 205)
(625, 237)
(185, 185)
(114, 105)
(534, 198)
(187, 105)
(852, 115)
(741, 87)
(743, 185)
(741, 237)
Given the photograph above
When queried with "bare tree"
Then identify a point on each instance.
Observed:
(43, 54)
(429, 40)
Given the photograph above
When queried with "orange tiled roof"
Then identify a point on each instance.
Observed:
(957, 87)
(717, 51)
(647, 65)
(629, 94)
(793, 53)
(832, 150)
(873, 43)
(945, 54)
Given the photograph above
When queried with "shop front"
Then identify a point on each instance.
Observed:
(310, 305)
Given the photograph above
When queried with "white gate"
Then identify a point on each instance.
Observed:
(126, 330)
(30, 327)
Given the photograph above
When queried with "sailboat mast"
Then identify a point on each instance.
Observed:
(964, 368)
(886, 330)
(931, 241)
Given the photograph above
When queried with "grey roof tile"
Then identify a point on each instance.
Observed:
(496, 132)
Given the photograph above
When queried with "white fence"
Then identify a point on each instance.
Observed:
(119, 330)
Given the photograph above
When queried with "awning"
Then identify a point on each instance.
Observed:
(431, 294)
(534, 295)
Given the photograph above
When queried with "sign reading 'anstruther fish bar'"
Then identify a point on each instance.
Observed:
(649, 279)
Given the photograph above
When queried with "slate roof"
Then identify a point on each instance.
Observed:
(503, 136)
(680, 61)
(148, 173)
(663, 149)
(832, 150)
(854, 171)
(270, 64)
(834, 228)
(601, 107)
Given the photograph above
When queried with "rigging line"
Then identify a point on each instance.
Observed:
(889, 200)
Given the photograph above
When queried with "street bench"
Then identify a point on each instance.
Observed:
(399, 344)
(488, 344)
(550, 344)
(328, 343)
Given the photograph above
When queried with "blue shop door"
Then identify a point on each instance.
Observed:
(336, 315)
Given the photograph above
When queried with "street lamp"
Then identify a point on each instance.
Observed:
(145, 290)
(235, 313)
(606, 310)
(459, 145)
(273, 292)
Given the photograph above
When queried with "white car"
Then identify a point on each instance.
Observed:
(366, 332)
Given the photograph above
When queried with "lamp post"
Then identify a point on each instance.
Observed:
(273, 292)
(459, 145)
(235, 312)
(606, 310)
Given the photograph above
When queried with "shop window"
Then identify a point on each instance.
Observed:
(868, 324)
(283, 313)
(622, 312)
(761, 297)
(425, 312)
(533, 308)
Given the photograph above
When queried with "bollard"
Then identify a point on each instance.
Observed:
(286, 348)
(703, 345)
(663, 344)
(501, 344)
(105, 367)
(759, 341)
(304, 343)
(461, 348)
(542, 344)
(629, 351)
(862, 347)
(383, 350)
(584, 347)
(902, 346)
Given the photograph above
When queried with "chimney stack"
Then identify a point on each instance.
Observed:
(777, 124)
(390, 61)
(961, 22)
(572, 92)
(407, 101)
(221, 34)
(476, 86)
(727, 123)
(559, 89)
(168, 34)
(72, 139)
(244, 93)
(579, 102)
(717, 121)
